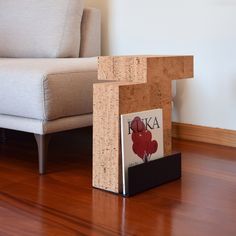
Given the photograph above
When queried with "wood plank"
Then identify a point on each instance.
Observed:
(204, 134)
(63, 202)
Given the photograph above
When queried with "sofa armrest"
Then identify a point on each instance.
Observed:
(90, 33)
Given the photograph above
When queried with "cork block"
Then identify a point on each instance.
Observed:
(131, 84)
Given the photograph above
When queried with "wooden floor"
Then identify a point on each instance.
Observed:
(63, 202)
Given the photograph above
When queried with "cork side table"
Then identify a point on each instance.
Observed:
(131, 84)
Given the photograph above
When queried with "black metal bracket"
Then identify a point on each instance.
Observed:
(154, 173)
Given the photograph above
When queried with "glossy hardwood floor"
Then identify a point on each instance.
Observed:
(63, 202)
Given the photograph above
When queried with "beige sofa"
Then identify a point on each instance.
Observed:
(48, 65)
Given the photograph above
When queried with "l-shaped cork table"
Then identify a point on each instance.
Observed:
(131, 84)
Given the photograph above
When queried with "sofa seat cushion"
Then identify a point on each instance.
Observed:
(40, 28)
(47, 89)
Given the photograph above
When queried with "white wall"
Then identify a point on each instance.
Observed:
(204, 28)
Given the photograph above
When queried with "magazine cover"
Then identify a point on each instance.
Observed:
(141, 139)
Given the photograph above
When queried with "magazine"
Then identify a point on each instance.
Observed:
(141, 140)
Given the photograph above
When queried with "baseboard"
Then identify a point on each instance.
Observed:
(204, 134)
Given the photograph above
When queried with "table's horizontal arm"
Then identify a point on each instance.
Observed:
(135, 68)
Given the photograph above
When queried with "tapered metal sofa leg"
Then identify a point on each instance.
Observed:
(43, 143)
(3, 137)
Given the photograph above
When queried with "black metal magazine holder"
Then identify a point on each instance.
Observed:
(154, 173)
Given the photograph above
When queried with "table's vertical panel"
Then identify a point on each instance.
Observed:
(106, 131)
(159, 80)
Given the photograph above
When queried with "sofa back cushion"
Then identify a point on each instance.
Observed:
(40, 28)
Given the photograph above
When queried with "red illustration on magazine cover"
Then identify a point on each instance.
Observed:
(143, 145)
